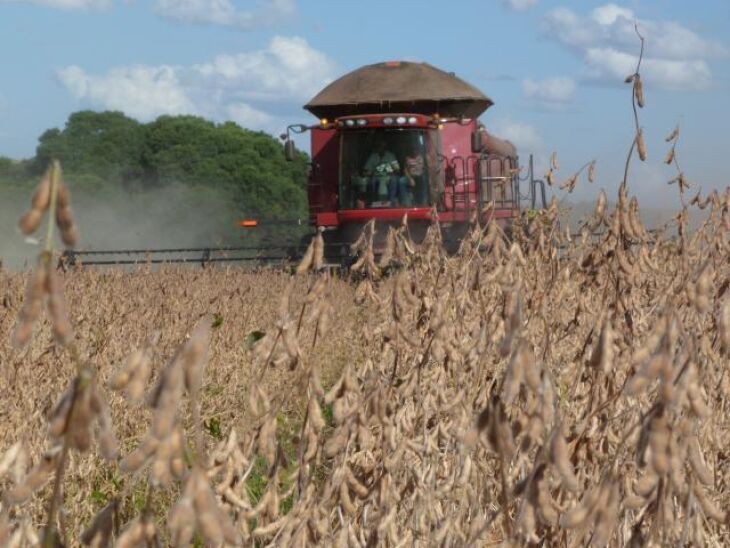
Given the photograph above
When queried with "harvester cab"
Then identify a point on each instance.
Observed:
(396, 139)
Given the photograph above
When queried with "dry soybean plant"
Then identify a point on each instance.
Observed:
(71, 421)
(532, 390)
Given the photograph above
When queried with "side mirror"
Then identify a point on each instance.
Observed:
(476, 142)
(289, 150)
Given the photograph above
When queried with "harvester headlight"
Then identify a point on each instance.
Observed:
(412, 120)
(349, 123)
(388, 121)
(362, 122)
(401, 119)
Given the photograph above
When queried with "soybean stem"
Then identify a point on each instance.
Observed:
(55, 176)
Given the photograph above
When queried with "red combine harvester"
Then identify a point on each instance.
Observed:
(401, 138)
(393, 140)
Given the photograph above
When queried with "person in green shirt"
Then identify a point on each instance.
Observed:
(382, 167)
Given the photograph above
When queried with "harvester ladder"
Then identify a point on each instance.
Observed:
(498, 181)
(536, 197)
(462, 196)
(476, 180)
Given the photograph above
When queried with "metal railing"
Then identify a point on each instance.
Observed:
(477, 180)
(534, 186)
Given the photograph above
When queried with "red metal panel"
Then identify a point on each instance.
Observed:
(327, 219)
(322, 184)
(396, 214)
(460, 184)
(456, 139)
(389, 214)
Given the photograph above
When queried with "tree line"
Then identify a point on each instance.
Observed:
(107, 155)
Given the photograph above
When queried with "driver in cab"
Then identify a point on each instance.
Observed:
(382, 168)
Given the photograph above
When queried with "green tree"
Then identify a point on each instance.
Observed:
(237, 172)
(13, 171)
(105, 144)
(192, 150)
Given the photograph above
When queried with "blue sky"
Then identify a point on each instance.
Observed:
(554, 69)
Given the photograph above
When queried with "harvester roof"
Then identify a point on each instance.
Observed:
(399, 86)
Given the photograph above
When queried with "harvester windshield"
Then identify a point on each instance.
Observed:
(382, 168)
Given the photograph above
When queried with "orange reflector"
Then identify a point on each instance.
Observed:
(248, 223)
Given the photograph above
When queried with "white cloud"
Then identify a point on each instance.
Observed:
(247, 116)
(224, 12)
(65, 4)
(551, 92)
(675, 56)
(519, 5)
(288, 68)
(251, 88)
(610, 13)
(568, 28)
(139, 91)
(611, 64)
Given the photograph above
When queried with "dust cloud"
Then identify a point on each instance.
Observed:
(174, 216)
(169, 217)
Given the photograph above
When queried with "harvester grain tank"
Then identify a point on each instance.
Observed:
(374, 123)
